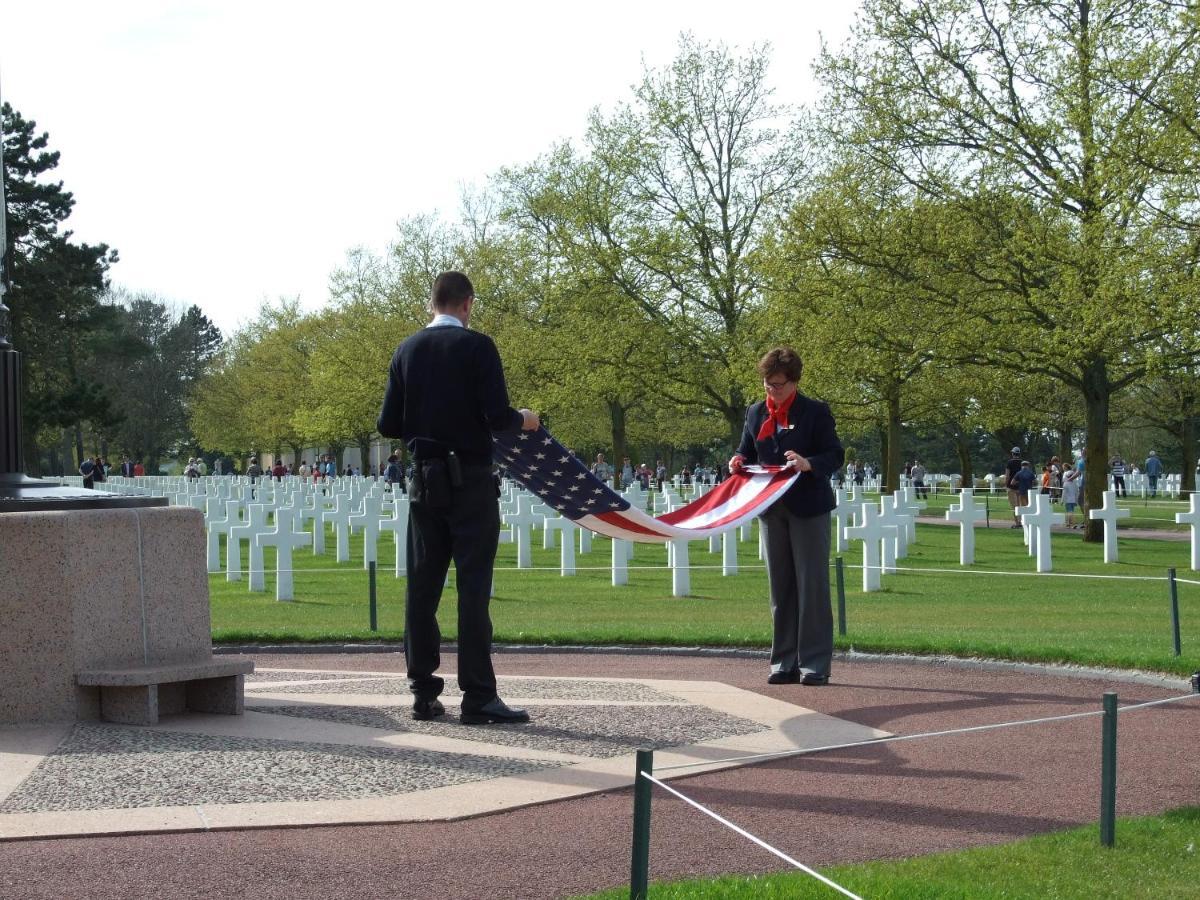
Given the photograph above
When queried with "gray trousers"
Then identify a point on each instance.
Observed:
(798, 574)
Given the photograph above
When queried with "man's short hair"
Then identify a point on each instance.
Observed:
(781, 361)
(451, 290)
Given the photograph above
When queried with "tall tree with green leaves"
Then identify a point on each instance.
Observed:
(58, 321)
(669, 204)
(1057, 129)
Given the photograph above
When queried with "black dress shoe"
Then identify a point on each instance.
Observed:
(494, 712)
(814, 679)
(423, 710)
(783, 677)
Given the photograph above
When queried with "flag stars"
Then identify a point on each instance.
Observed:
(539, 456)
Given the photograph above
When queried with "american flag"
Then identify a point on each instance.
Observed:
(543, 466)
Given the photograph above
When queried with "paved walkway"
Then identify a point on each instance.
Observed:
(888, 800)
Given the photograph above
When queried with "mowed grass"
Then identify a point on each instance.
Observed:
(1154, 857)
(964, 611)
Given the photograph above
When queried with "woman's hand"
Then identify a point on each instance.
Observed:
(796, 461)
(736, 462)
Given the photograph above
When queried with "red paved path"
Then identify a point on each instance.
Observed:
(887, 801)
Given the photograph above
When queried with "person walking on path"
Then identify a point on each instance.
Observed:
(1011, 468)
(445, 396)
(1154, 469)
(792, 430)
(1070, 495)
(1117, 467)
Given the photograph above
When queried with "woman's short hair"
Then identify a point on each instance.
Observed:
(781, 361)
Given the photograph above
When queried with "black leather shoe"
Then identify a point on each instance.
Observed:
(814, 679)
(494, 712)
(423, 710)
(783, 677)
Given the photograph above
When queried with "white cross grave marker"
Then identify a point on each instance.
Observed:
(966, 513)
(1109, 512)
(1039, 522)
(283, 537)
(218, 526)
(1192, 518)
(398, 525)
(872, 532)
(897, 547)
(620, 562)
(681, 581)
(255, 524)
(843, 514)
(729, 542)
(340, 517)
(567, 556)
(523, 521)
(368, 521)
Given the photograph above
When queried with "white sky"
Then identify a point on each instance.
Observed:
(232, 152)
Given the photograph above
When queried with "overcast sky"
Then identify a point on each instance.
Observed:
(232, 152)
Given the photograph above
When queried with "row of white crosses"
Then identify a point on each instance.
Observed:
(349, 505)
(521, 514)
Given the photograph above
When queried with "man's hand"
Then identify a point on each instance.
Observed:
(531, 421)
(735, 463)
(796, 461)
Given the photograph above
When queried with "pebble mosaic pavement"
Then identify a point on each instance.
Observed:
(320, 746)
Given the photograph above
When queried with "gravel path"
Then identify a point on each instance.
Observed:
(892, 800)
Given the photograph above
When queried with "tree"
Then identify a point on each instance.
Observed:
(670, 205)
(58, 322)
(1056, 128)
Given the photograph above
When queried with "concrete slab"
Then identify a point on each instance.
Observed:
(333, 747)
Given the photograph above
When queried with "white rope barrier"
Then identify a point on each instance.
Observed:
(972, 729)
(750, 837)
(350, 567)
(889, 569)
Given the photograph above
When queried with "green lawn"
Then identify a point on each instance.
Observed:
(1154, 857)
(963, 611)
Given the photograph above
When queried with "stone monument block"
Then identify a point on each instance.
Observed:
(109, 592)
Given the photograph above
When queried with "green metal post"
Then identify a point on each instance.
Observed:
(1108, 772)
(841, 589)
(639, 870)
(1174, 608)
(374, 603)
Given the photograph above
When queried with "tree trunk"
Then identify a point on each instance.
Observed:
(963, 448)
(1187, 444)
(617, 413)
(364, 452)
(735, 416)
(1097, 392)
(1064, 443)
(78, 433)
(893, 464)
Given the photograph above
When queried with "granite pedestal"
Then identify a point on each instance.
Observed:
(105, 613)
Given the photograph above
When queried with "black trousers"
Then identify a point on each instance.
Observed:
(467, 532)
(798, 577)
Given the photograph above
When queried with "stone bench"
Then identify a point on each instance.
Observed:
(139, 695)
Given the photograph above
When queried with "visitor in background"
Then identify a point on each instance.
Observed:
(1070, 495)
(1154, 469)
(1011, 468)
(1117, 467)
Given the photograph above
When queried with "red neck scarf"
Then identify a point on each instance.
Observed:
(777, 416)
